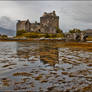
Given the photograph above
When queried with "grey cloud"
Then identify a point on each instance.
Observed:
(72, 13)
(79, 11)
(6, 22)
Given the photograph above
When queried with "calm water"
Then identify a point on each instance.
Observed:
(30, 66)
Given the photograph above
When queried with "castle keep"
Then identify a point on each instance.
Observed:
(49, 23)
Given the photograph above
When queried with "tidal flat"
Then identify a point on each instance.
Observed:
(45, 66)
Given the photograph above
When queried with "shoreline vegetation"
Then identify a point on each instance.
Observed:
(59, 43)
(57, 38)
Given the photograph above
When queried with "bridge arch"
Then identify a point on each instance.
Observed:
(85, 35)
(82, 36)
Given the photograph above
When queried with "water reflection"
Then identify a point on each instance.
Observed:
(26, 50)
(49, 55)
(45, 53)
(28, 66)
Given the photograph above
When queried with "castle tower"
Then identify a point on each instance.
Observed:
(23, 25)
(49, 22)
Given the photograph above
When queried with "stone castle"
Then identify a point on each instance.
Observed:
(49, 23)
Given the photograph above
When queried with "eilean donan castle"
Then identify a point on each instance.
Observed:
(49, 22)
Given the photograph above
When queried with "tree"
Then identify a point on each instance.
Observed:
(74, 30)
(58, 30)
(4, 36)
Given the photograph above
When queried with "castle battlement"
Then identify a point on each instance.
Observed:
(49, 14)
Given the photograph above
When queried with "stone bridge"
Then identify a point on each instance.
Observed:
(79, 36)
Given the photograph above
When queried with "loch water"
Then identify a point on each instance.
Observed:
(42, 66)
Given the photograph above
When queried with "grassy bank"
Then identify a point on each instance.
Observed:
(40, 35)
(77, 45)
(59, 43)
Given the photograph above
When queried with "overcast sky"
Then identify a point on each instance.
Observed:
(73, 14)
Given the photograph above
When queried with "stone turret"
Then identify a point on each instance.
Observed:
(49, 14)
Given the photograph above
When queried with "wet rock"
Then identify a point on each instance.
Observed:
(65, 73)
(38, 77)
(22, 74)
(5, 82)
(50, 88)
(10, 64)
(90, 65)
(44, 80)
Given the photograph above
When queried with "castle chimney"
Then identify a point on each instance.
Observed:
(44, 13)
(54, 13)
(35, 22)
(27, 20)
(18, 21)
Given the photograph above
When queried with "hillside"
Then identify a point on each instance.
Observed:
(7, 32)
(88, 30)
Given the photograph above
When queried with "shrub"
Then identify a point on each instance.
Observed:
(47, 35)
(58, 30)
(54, 35)
(33, 35)
(20, 32)
(74, 30)
(4, 36)
(38, 35)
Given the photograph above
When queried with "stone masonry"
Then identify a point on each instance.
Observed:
(49, 22)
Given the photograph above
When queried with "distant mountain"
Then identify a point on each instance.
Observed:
(88, 30)
(7, 32)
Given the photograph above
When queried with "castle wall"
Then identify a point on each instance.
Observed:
(27, 26)
(20, 26)
(35, 27)
(23, 25)
(49, 23)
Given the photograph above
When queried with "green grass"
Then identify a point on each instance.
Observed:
(40, 35)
